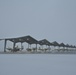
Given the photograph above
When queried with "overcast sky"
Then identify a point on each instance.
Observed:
(54, 20)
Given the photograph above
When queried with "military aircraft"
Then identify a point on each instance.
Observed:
(14, 50)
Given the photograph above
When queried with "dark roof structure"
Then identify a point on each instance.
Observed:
(55, 43)
(71, 46)
(62, 45)
(27, 39)
(30, 40)
(67, 45)
(44, 42)
(74, 46)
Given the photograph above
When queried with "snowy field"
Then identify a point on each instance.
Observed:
(37, 64)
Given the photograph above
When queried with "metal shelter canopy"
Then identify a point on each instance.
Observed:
(62, 45)
(44, 42)
(67, 45)
(55, 43)
(28, 39)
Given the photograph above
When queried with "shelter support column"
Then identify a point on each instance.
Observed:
(29, 45)
(21, 46)
(54, 47)
(58, 48)
(67, 48)
(46, 46)
(63, 48)
(49, 48)
(36, 47)
(41, 47)
(5, 45)
(14, 45)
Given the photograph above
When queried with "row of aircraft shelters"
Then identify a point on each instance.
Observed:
(30, 40)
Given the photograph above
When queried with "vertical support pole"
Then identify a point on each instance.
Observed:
(42, 47)
(67, 48)
(14, 45)
(49, 48)
(63, 48)
(46, 46)
(21, 46)
(54, 47)
(28, 45)
(58, 48)
(36, 47)
(5, 45)
(30, 48)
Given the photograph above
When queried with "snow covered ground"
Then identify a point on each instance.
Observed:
(37, 64)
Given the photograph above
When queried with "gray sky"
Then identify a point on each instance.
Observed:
(50, 19)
